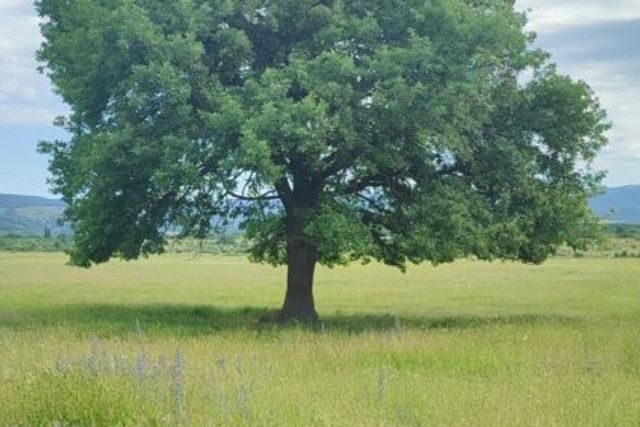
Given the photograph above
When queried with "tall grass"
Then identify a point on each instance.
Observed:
(178, 340)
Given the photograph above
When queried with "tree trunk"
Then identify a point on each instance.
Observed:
(298, 303)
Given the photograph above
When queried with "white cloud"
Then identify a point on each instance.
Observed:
(25, 95)
(556, 15)
(596, 41)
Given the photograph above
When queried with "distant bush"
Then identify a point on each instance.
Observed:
(626, 254)
(230, 244)
(623, 231)
(17, 243)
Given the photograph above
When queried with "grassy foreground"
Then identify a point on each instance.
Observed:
(177, 340)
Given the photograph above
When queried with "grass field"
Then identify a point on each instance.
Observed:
(177, 340)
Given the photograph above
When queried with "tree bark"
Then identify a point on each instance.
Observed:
(302, 257)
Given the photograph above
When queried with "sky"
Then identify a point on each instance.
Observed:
(593, 40)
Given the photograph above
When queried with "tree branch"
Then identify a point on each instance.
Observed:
(374, 204)
(263, 197)
(285, 192)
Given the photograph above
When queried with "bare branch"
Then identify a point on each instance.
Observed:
(270, 195)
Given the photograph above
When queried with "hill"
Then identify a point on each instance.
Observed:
(14, 201)
(30, 215)
(619, 204)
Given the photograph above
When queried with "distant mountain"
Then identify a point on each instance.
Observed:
(16, 201)
(30, 215)
(619, 204)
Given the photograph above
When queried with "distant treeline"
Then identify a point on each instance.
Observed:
(621, 240)
(623, 231)
(13, 242)
(232, 244)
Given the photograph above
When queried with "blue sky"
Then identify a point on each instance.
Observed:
(594, 40)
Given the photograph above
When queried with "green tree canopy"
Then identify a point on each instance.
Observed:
(390, 130)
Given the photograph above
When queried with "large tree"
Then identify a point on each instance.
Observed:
(334, 130)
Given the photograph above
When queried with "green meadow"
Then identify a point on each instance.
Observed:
(181, 340)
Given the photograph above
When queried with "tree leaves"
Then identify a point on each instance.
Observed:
(400, 131)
